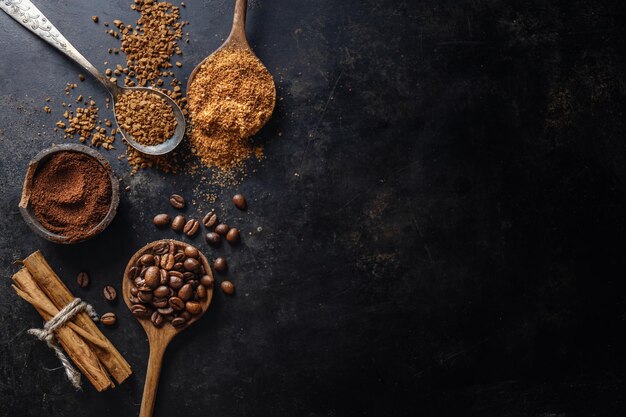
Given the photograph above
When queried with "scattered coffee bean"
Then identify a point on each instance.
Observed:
(82, 280)
(222, 229)
(177, 201)
(191, 227)
(240, 201)
(209, 220)
(178, 223)
(213, 238)
(219, 264)
(227, 287)
(110, 293)
(108, 319)
(233, 235)
(161, 220)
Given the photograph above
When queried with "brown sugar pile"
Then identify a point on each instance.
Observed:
(148, 118)
(230, 99)
(71, 194)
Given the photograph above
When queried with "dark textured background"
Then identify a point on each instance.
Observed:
(437, 230)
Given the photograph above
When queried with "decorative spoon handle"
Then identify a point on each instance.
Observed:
(29, 16)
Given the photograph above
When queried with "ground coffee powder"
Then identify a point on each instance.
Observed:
(71, 194)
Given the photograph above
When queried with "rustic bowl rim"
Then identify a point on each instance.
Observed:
(206, 303)
(26, 209)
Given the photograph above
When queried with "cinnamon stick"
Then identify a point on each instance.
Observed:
(60, 296)
(75, 347)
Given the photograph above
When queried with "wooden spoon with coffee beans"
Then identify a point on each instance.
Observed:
(160, 337)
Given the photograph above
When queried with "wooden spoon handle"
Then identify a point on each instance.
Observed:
(238, 31)
(152, 379)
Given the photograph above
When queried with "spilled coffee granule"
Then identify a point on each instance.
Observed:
(148, 118)
(230, 99)
(71, 194)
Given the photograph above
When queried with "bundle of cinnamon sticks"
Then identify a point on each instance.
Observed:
(84, 343)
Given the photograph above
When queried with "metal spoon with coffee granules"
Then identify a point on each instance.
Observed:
(29, 16)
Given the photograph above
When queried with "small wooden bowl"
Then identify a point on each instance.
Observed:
(27, 212)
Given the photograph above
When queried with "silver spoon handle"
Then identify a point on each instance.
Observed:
(29, 16)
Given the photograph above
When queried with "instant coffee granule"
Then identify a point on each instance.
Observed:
(148, 118)
(71, 194)
(230, 99)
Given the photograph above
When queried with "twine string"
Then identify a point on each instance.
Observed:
(46, 334)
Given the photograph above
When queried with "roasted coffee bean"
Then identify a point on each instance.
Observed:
(134, 300)
(157, 260)
(188, 275)
(108, 319)
(82, 280)
(191, 227)
(109, 293)
(157, 319)
(179, 322)
(134, 290)
(152, 277)
(177, 201)
(165, 310)
(176, 274)
(193, 307)
(143, 271)
(176, 282)
(176, 303)
(220, 264)
(164, 278)
(133, 273)
(161, 248)
(233, 235)
(201, 292)
(169, 318)
(178, 223)
(240, 201)
(194, 283)
(222, 229)
(191, 252)
(179, 257)
(140, 310)
(162, 291)
(145, 296)
(167, 261)
(227, 287)
(185, 292)
(191, 264)
(185, 315)
(213, 238)
(207, 281)
(159, 302)
(147, 260)
(209, 220)
(161, 220)
(178, 266)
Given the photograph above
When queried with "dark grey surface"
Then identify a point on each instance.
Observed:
(437, 230)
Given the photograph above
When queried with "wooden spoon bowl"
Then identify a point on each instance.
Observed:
(159, 337)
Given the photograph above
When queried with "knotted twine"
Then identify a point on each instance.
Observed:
(46, 334)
